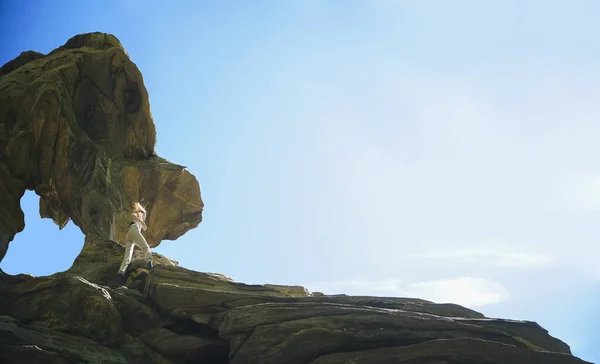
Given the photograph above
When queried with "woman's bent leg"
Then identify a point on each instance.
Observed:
(126, 257)
(139, 240)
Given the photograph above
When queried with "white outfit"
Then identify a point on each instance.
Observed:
(134, 236)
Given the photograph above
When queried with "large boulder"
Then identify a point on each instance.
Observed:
(89, 309)
(76, 127)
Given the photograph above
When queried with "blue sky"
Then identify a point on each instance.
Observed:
(444, 150)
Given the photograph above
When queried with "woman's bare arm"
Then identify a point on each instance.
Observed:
(144, 227)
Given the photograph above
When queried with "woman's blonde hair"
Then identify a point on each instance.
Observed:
(137, 207)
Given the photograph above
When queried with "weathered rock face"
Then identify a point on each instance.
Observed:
(75, 126)
(174, 315)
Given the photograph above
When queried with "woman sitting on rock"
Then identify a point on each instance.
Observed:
(134, 236)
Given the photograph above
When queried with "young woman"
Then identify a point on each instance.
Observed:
(134, 236)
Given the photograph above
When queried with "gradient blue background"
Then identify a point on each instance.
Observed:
(446, 150)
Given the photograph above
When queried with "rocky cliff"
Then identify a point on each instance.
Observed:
(75, 126)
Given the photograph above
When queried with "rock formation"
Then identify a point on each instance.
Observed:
(75, 126)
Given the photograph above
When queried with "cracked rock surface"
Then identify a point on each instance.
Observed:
(174, 315)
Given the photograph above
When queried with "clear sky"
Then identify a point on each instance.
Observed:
(447, 150)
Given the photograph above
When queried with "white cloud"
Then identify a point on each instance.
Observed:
(505, 259)
(467, 291)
